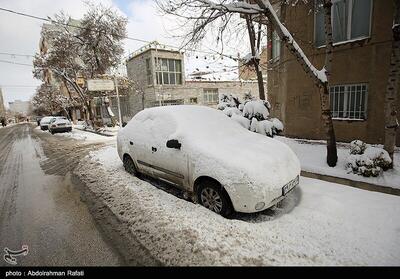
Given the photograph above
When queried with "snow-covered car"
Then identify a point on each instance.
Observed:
(45, 121)
(60, 125)
(223, 166)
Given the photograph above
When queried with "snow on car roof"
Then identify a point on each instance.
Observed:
(192, 120)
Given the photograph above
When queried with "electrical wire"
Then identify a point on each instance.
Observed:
(124, 37)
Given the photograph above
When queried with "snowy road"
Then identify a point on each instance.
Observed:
(320, 223)
(39, 205)
(126, 220)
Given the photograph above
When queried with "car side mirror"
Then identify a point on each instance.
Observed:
(174, 144)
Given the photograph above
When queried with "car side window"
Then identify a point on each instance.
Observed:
(163, 127)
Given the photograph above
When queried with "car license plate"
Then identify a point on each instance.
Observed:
(61, 124)
(289, 186)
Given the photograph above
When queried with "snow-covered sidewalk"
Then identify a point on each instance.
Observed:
(320, 223)
(82, 136)
(105, 131)
(312, 156)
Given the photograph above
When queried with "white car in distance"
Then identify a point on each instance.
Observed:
(223, 166)
(44, 122)
(60, 124)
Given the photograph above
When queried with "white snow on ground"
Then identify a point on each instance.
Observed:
(81, 135)
(319, 223)
(313, 159)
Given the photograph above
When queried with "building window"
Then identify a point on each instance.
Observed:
(193, 100)
(210, 96)
(172, 102)
(168, 71)
(349, 101)
(351, 20)
(148, 71)
(276, 46)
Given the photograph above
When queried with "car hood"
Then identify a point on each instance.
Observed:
(248, 158)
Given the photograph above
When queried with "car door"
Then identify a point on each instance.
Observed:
(170, 164)
(139, 140)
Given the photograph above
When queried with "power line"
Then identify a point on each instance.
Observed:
(17, 86)
(124, 37)
(16, 54)
(15, 63)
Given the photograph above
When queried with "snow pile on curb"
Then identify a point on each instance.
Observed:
(85, 136)
(312, 156)
(320, 223)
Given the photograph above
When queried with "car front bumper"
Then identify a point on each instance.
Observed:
(247, 201)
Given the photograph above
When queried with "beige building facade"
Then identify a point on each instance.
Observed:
(161, 79)
(361, 57)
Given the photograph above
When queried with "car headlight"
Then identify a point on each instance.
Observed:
(260, 205)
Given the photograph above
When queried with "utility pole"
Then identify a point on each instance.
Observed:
(119, 105)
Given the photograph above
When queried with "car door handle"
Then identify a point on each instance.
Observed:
(131, 142)
(153, 149)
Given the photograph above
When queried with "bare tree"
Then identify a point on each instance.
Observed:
(82, 49)
(391, 121)
(200, 14)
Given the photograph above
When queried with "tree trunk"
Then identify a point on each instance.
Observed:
(391, 122)
(331, 149)
(310, 70)
(252, 36)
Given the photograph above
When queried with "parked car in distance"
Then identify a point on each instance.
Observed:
(60, 124)
(44, 122)
(222, 165)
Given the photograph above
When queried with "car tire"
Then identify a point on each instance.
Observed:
(211, 195)
(52, 132)
(129, 165)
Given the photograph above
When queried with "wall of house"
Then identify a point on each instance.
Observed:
(154, 94)
(296, 100)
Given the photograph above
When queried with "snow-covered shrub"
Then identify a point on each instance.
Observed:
(252, 115)
(357, 147)
(229, 101)
(379, 156)
(231, 111)
(257, 109)
(241, 120)
(248, 97)
(369, 161)
(277, 125)
(263, 127)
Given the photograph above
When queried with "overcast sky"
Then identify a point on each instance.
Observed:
(20, 35)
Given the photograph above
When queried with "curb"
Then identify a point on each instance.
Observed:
(93, 132)
(352, 183)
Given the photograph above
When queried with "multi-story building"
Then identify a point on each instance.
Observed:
(362, 34)
(162, 79)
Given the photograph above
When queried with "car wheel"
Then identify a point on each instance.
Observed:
(52, 132)
(129, 165)
(211, 195)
